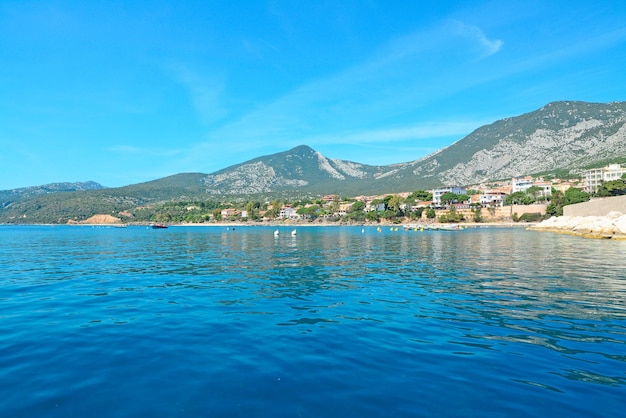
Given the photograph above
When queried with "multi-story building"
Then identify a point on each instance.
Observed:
(288, 212)
(437, 193)
(595, 177)
(491, 198)
(521, 184)
(545, 187)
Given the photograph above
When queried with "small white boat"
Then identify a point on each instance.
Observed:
(276, 233)
(293, 233)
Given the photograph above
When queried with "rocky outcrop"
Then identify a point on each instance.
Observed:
(101, 220)
(564, 134)
(612, 226)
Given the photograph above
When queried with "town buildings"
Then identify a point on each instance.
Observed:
(595, 177)
(437, 193)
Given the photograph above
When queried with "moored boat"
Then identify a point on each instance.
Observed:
(158, 226)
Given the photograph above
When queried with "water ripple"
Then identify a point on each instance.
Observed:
(333, 322)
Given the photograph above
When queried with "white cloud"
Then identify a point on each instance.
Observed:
(415, 132)
(204, 92)
(476, 34)
(358, 104)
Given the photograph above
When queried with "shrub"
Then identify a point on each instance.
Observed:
(531, 217)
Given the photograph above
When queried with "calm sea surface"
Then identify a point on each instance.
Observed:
(334, 322)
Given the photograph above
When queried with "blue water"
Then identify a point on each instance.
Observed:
(334, 322)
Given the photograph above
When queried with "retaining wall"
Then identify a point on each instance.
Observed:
(597, 207)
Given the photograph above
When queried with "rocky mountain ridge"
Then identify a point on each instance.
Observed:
(49, 188)
(560, 136)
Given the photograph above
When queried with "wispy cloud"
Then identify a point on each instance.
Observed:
(476, 35)
(204, 92)
(354, 105)
(427, 130)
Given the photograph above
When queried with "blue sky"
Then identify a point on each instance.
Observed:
(122, 92)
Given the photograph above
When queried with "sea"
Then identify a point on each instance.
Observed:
(335, 321)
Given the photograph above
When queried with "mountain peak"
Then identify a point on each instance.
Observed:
(560, 135)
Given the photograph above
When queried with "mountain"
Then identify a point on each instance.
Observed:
(561, 138)
(7, 195)
(57, 207)
(564, 137)
(300, 169)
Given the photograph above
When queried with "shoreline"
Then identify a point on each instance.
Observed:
(612, 226)
(432, 225)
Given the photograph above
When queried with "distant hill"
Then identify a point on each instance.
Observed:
(49, 188)
(55, 207)
(8, 197)
(561, 137)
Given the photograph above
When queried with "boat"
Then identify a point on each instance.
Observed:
(449, 227)
(158, 226)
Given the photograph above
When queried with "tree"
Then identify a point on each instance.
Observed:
(574, 195)
(357, 206)
(448, 198)
(534, 191)
(420, 196)
(452, 216)
(372, 216)
(518, 198)
(275, 210)
(478, 216)
(394, 203)
(252, 214)
(388, 214)
(612, 188)
(463, 197)
(430, 213)
(309, 211)
(560, 199)
(333, 207)
(417, 213)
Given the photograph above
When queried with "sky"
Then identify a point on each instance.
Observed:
(123, 92)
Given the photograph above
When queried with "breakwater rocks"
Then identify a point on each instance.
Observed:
(611, 226)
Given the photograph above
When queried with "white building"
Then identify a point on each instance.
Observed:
(492, 198)
(545, 188)
(437, 193)
(521, 184)
(288, 212)
(595, 177)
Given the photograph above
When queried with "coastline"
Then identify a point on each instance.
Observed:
(612, 226)
(412, 225)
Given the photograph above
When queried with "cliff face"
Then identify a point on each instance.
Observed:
(562, 135)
